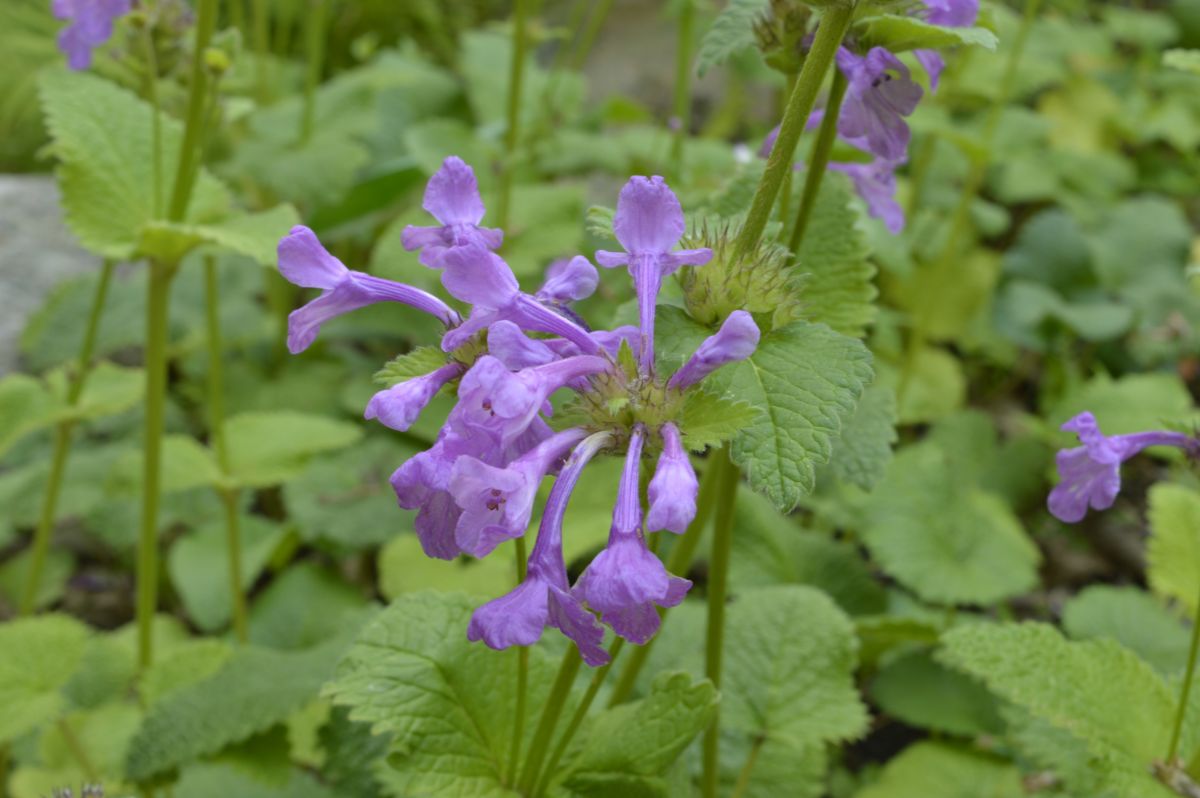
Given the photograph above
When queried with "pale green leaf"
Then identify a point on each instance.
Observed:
(708, 420)
(405, 568)
(266, 448)
(23, 408)
(39, 656)
(1133, 618)
(1186, 60)
(938, 770)
(862, 454)
(936, 386)
(415, 363)
(921, 692)
(1132, 403)
(209, 780)
(181, 666)
(901, 33)
(731, 32)
(255, 235)
(1173, 554)
(186, 464)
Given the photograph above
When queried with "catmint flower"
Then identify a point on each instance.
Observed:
(879, 94)
(949, 14)
(1091, 473)
(674, 486)
(648, 224)
(91, 25)
(497, 503)
(875, 182)
(451, 197)
(399, 406)
(304, 262)
(422, 484)
(544, 598)
(626, 582)
(736, 340)
(568, 281)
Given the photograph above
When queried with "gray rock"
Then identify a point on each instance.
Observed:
(36, 253)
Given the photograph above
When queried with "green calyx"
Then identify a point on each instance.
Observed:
(763, 283)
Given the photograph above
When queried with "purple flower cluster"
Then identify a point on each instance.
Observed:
(91, 25)
(475, 487)
(1090, 475)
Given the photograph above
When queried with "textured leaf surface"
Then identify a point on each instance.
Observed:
(1134, 619)
(837, 288)
(303, 606)
(255, 235)
(38, 656)
(918, 690)
(269, 448)
(937, 770)
(731, 32)
(898, 34)
(862, 454)
(414, 363)
(1173, 554)
(806, 379)
(710, 420)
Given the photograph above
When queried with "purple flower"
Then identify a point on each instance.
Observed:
(304, 262)
(451, 197)
(91, 26)
(398, 407)
(568, 281)
(875, 182)
(649, 223)
(497, 503)
(674, 486)
(879, 95)
(736, 340)
(1091, 473)
(422, 484)
(544, 598)
(509, 344)
(626, 581)
(501, 404)
(949, 14)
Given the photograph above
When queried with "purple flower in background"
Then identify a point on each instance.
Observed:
(875, 182)
(398, 407)
(304, 262)
(626, 582)
(736, 340)
(949, 14)
(674, 487)
(451, 197)
(91, 25)
(879, 94)
(544, 598)
(648, 224)
(1091, 474)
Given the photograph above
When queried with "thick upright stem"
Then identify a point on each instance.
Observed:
(682, 106)
(818, 161)
(1185, 691)
(156, 397)
(206, 20)
(830, 32)
(62, 446)
(314, 46)
(522, 11)
(714, 642)
(567, 671)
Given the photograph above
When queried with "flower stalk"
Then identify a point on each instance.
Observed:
(1184, 693)
(561, 688)
(514, 754)
(682, 104)
(819, 160)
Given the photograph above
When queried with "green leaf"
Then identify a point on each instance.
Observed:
(943, 538)
(806, 379)
(731, 32)
(267, 448)
(212, 779)
(938, 770)
(881, 634)
(182, 666)
(899, 34)
(862, 454)
(404, 568)
(256, 689)
(1134, 619)
(1173, 553)
(352, 754)
(837, 288)
(709, 420)
(102, 136)
(630, 747)
(414, 363)
(937, 386)
(920, 691)
(1133, 403)
(303, 606)
(186, 464)
(1097, 690)
(57, 568)
(255, 235)
(1186, 60)
(22, 408)
(40, 656)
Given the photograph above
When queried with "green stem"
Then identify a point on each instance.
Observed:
(1185, 691)
(920, 168)
(549, 719)
(560, 748)
(315, 47)
(237, 15)
(588, 38)
(743, 779)
(62, 446)
(156, 396)
(77, 750)
(155, 116)
(682, 105)
(518, 734)
(830, 32)
(680, 562)
(189, 153)
(818, 161)
(718, 578)
(521, 13)
(262, 47)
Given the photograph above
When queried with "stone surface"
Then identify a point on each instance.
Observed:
(36, 253)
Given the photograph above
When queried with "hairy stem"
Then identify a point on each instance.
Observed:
(62, 446)
(818, 161)
(314, 45)
(718, 577)
(522, 11)
(189, 154)
(514, 753)
(682, 105)
(561, 688)
(830, 32)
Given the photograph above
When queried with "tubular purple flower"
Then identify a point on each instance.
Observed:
(91, 26)
(543, 598)
(502, 404)
(950, 14)
(736, 340)
(674, 486)
(649, 223)
(1091, 473)
(399, 406)
(509, 344)
(568, 281)
(879, 94)
(451, 197)
(422, 483)
(626, 581)
(875, 182)
(497, 503)
(304, 262)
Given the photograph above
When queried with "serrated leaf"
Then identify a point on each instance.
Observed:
(1133, 618)
(1173, 553)
(938, 770)
(352, 754)
(256, 689)
(267, 448)
(837, 288)
(414, 363)
(598, 222)
(255, 235)
(864, 450)
(898, 34)
(39, 657)
(806, 379)
(1097, 690)
(921, 692)
(731, 32)
(709, 420)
